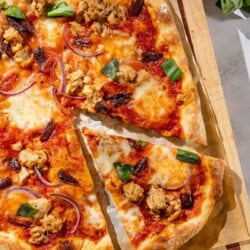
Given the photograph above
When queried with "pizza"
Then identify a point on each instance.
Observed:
(124, 59)
(164, 196)
(112, 58)
(47, 197)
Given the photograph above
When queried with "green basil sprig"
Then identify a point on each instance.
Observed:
(186, 156)
(229, 6)
(26, 210)
(172, 70)
(14, 11)
(60, 10)
(124, 171)
(111, 69)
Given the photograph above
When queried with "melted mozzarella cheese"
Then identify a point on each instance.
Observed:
(109, 152)
(31, 109)
(120, 47)
(92, 198)
(133, 220)
(11, 241)
(50, 32)
(94, 217)
(169, 172)
(151, 101)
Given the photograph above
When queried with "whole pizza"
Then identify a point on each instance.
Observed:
(116, 59)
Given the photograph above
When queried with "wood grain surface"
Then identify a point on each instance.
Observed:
(196, 27)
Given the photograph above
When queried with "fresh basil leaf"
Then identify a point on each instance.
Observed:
(60, 10)
(141, 143)
(124, 171)
(111, 69)
(58, 5)
(3, 5)
(229, 6)
(172, 70)
(14, 11)
(186, 156)
(26, 210)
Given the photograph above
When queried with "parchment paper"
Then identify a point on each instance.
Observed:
(227, 223)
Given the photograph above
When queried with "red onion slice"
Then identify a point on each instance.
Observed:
(45, 182)
(7, 93)
(61, 66)
(23, 190)
(185, 182)
(65, 111)
(73, 204)
(75, 50)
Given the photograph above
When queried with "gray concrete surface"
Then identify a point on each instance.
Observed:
(234, 76)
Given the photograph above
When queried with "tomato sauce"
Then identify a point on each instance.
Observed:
(156, 69)
(114, 88)
(151, 225)
(142, 25)
(145, 31)
(8, 83)
(143, 179)
(156, 226)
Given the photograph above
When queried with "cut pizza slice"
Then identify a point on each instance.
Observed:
(47, 197)
(121, 58)
(137, 69)
(164, 196)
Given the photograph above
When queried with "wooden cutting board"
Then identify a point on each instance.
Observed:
(236, 223)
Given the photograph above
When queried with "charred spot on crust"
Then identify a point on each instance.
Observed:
(151, 56)
(23, 26)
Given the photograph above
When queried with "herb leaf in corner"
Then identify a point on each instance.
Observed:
(229, 6)
(124, 171)
(14, 11)
(26, 210)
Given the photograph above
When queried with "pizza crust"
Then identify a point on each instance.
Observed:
(10, 241)
(174, 237)
(175, 234)
(191, 114)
